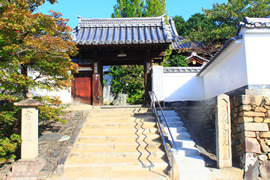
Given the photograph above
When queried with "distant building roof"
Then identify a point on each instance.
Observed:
(253, 23)
(120, 31)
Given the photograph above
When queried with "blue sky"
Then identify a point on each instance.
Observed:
(104, 8)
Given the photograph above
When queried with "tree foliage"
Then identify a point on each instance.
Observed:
(129, 79)
(174, 60)
(213, 28)
(35, 52)
(139, 8)
(128, 8)
(155, 8)
(227, 16)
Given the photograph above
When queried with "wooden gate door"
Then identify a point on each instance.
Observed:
(81, 89)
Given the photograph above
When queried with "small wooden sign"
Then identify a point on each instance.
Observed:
(96, 68)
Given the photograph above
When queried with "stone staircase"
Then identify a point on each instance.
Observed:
(191, 164)
(117, 144)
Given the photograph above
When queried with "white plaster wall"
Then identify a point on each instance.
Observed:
(182, 87)
(65, 95)
(227, 72)
(258, 58)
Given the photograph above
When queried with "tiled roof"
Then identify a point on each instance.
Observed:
(181, 69)
(181, 43)
(194, 54)
(115, 31)
(254, 23)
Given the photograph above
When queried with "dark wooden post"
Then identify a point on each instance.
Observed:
(147, 78)
(96, 85)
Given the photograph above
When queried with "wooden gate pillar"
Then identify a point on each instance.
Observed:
(147, 79)
(96, 85)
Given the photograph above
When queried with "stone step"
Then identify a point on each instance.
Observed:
(106, 158)
(122, 132)
(184, 152)
(118, 139)
(120, 113)
(175, 130)
(143, 125)
(169, 113)
(181, 136)
(110, 148)
(190, 161)
(120, 119)
(187, 143)
(171, 119)
(175, 124)
(108, 174)
(132, 110)
(190, 173)
(103, 169)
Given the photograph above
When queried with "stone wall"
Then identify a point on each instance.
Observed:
(250, 116)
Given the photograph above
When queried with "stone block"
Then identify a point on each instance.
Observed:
(265, 170)
(262, 157)
(266, 120)
(249, 134)
(267, 141)
(251, 114)
(245, 108)
(256, 127)
(264, 134)
(244, 119)
(258, 119)
(251, 100)
(266, 107)
(245, 99)
(21, 176)
(223, 131)
(239, 128)
(238, 136)
(251, 166)
(250, 145)
(267, 100)
(260, 109)
(236, 101)
(267, 113)
(264, 147)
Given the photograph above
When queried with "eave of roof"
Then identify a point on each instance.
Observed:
(194, 54)
(120, 31)
(251, 23)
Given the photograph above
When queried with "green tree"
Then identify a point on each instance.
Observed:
(129, 79)
(155, 8)
(198, 27)
(226, 16)
(128, 8)
(180, 25)
(213, 28)
(139, 8)
(174, 60)
(36, 43)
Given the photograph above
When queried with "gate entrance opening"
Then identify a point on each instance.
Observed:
(118, 41)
